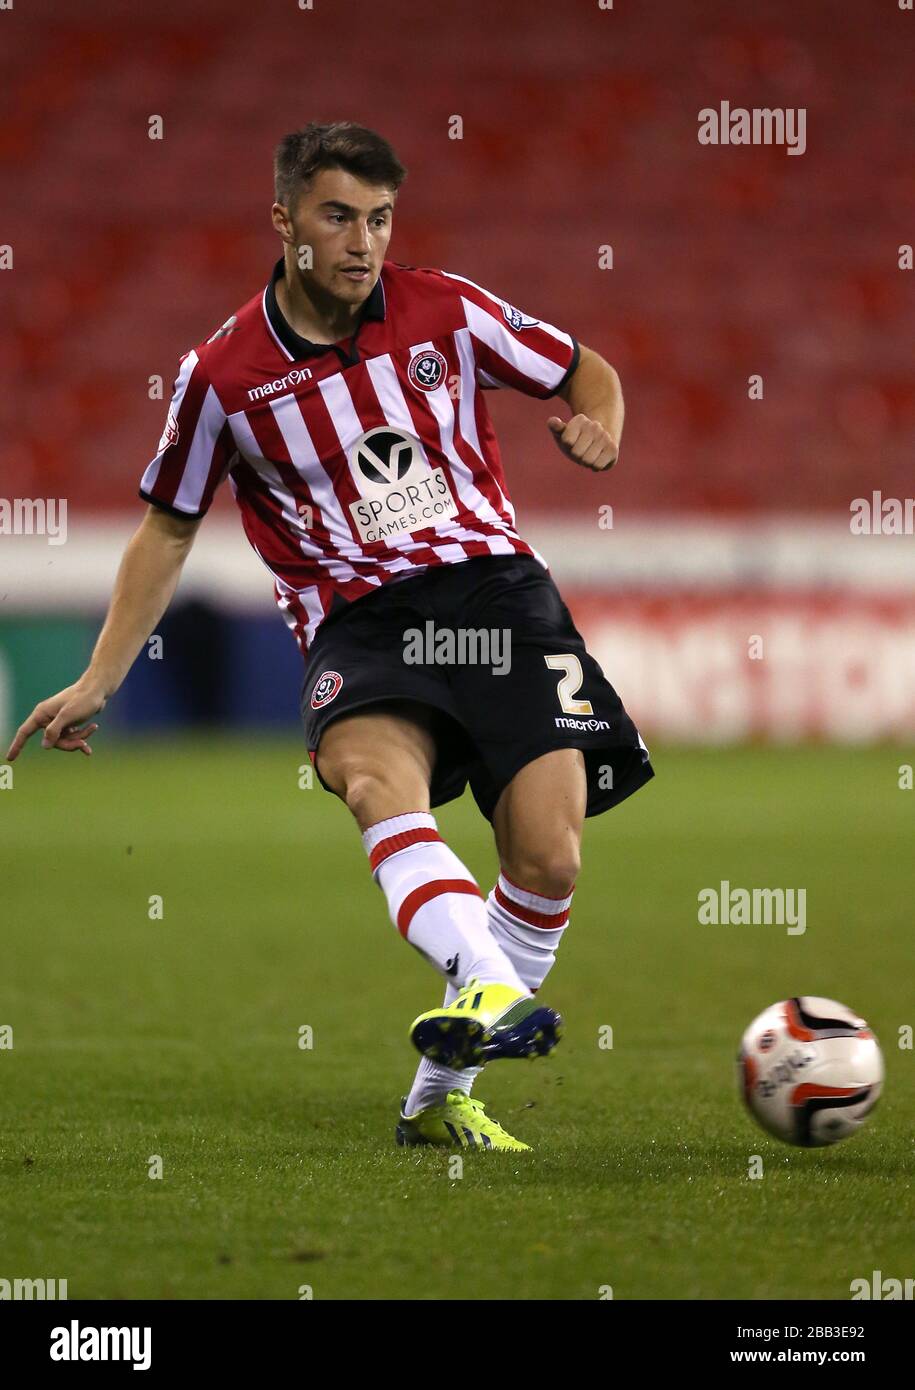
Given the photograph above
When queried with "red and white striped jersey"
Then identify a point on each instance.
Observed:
(364, 461)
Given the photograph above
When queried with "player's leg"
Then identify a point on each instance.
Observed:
(537, 822)
(380, 762)
(556, 744)
(554, 741)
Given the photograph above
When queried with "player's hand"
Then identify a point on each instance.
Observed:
(585, 441)
(62, 717)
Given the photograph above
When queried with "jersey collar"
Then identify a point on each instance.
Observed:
(373, 308)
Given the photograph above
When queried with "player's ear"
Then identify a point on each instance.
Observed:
(282, 222)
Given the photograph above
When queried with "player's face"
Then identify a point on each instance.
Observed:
(348, 225)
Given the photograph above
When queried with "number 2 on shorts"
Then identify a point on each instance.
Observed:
(570, 684)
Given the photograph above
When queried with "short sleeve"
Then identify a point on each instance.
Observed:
(515, 349)
(196, 448)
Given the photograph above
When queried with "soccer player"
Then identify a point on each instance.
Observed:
(344, 405)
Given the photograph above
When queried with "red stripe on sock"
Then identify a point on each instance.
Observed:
(546, 920)
(415, 900)
(403, 838)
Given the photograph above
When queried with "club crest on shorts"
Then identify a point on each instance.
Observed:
(327, 688)
(427, 370)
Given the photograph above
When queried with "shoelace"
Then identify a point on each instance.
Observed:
(479, 1108)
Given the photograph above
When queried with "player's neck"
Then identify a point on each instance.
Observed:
(313, 315)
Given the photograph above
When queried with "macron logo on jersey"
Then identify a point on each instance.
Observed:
(283, 383)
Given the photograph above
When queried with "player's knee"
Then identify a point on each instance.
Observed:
(551, 873)
(362, 789)
(371, 790)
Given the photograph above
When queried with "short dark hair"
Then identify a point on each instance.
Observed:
(334, 145)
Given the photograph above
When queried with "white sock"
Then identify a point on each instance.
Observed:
(529, 928)
(434, 901)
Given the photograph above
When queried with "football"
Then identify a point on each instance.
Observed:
(810, 1071)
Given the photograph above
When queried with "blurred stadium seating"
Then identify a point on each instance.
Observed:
(579, 132)
(576, 134)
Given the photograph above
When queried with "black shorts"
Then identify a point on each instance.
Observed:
(502, 701)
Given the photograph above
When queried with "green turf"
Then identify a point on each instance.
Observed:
(135, 1037)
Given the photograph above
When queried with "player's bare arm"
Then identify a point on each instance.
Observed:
(146, 581)
(594, 396)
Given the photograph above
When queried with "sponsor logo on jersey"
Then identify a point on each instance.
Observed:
(515, 318)
(427, 370)
(399, 491)
(585, 726)
(170, 433)
(327, 688)
(283, 383)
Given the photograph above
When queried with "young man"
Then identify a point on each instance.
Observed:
(344, 405)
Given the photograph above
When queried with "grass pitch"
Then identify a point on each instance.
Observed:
(136, 1037)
